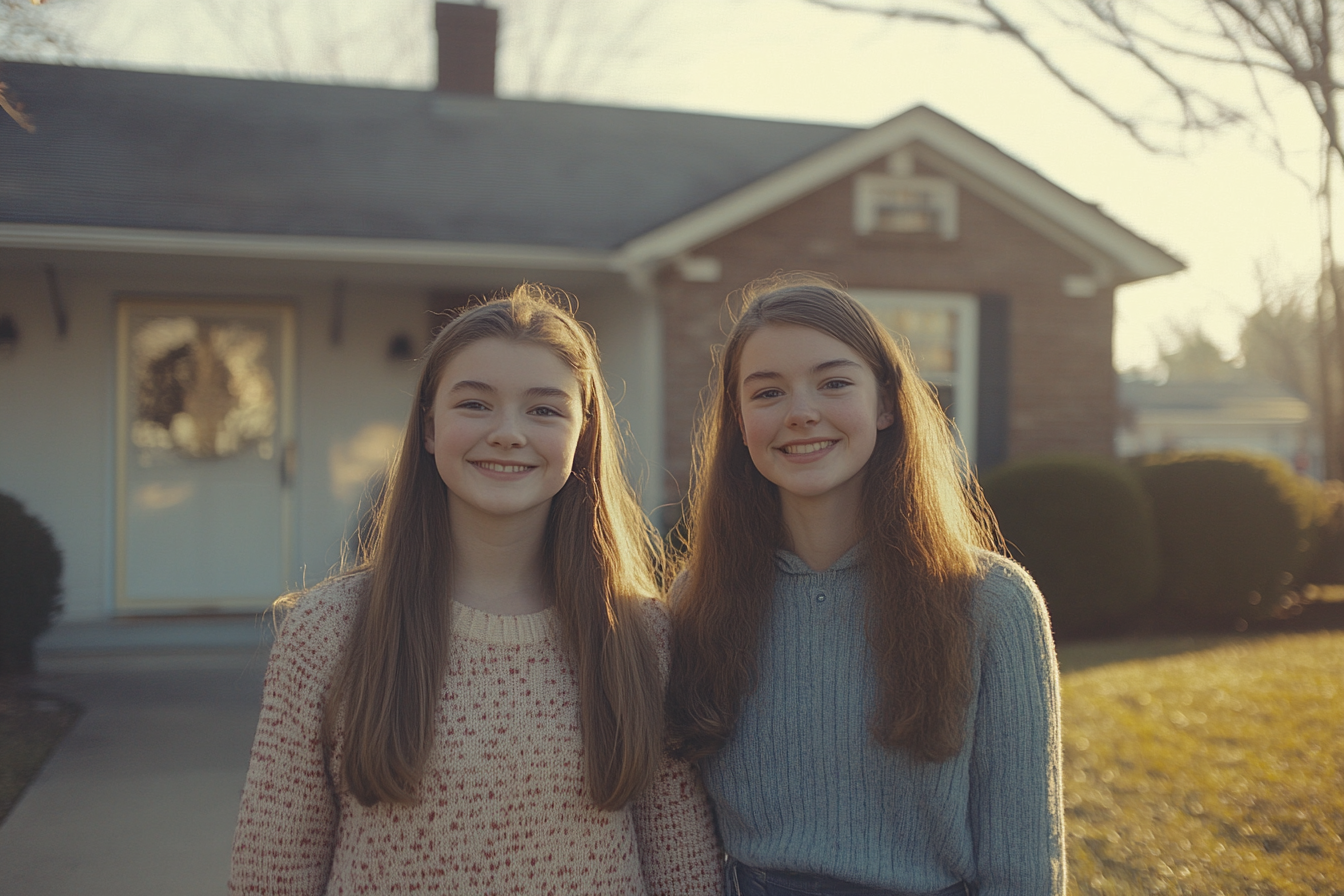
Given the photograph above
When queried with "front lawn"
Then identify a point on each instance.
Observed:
(31, 724)
(1192, 766)
(1218, 770)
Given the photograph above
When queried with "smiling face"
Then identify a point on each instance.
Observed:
(810, 411)
(503, 428)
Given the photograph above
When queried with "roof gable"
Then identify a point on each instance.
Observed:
(1117, 254)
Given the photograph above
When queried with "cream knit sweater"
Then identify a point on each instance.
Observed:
(503, 808)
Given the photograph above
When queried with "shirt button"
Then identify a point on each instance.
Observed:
(821, 598)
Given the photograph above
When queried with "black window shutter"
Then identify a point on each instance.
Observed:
(991, 427)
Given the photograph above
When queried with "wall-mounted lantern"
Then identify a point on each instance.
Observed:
(9, 335)
(399, 348)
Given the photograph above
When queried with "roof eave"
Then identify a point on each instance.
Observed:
(289, 247)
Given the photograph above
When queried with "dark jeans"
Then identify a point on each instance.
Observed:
(743, 880)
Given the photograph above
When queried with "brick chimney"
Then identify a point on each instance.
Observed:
(467, 36)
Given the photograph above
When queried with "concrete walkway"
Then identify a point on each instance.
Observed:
(142, 795)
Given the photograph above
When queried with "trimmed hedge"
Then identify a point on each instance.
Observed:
(30, 584)
(1083, 526)
(1234, 530)
(1326, 566)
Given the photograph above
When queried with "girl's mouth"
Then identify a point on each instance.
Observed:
(808, 447)
(495, 467)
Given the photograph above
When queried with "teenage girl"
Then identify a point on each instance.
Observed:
(870, 692)
(478, 708)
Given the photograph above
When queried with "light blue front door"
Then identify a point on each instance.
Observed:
(205, 456)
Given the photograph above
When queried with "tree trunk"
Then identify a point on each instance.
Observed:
(1328, 302)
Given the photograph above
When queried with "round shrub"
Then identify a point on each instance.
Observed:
(1232, 529)
(1083, 528)
(1326, 563)
(30, 584)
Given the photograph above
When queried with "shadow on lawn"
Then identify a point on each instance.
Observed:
(31, 725)
(1075, 656)
(1079, 655)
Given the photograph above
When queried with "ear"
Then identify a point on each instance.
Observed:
(429, 432)
(885, 417)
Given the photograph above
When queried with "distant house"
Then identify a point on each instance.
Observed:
(1235, 413)
(212, 290)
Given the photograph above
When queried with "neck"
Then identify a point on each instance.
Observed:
(497, 561)
(822, 529)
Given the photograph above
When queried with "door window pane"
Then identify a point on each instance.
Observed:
(202, 388)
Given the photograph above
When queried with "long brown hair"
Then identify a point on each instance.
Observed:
(598, 556)
(923, 521)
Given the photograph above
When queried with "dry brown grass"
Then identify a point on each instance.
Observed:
(1219, 770)
(31, 724)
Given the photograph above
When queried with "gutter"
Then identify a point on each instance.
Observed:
(302, 248)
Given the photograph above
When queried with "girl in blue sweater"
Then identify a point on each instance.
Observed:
(869, 690)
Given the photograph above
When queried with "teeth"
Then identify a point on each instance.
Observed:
(810, 448)
(503, 468)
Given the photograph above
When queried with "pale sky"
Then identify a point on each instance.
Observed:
(1222, 208)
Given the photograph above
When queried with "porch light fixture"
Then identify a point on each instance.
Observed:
(9, 335)
(399, 348)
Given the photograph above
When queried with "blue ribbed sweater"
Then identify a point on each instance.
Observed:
(802, 786)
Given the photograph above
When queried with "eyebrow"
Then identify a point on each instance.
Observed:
(823, 366)
(534, 392)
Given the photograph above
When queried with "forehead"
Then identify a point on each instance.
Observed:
(507, 365)
(789, 349)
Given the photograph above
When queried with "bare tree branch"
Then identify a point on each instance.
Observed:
(1125, 40)
(565, 48)
(14, 110)
(1176, 45)
(911, 15)
(27, 32)
(1000, 24)
(30, 32)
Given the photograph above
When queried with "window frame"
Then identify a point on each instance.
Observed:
(965, 379)
(869, 189)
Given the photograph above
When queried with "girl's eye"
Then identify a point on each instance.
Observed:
(472, 404)
(545, 411)
(836, 384)
(768, 393)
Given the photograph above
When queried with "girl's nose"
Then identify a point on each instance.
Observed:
(802, 411)
(508, 434)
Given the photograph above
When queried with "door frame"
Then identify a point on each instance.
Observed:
(184, 303)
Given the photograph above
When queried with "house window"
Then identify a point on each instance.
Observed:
(887, 204)
(942, 330)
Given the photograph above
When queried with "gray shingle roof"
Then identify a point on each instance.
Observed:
(181, 152)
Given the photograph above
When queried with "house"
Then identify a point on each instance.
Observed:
(212, 290)
(1237, 412)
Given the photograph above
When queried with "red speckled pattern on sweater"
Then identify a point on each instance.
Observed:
(503, 807)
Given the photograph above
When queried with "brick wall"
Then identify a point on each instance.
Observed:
(1062, 384)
